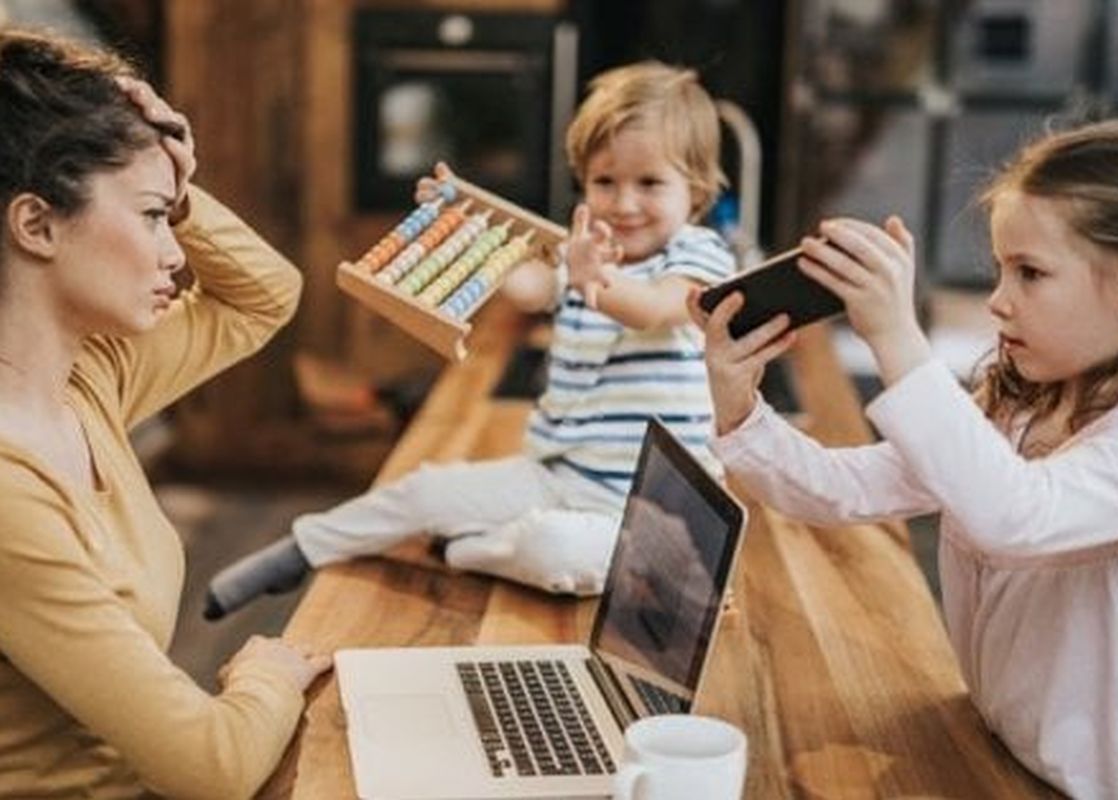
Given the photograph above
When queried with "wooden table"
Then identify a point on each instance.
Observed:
(833, 659)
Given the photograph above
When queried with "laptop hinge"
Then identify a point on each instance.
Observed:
(619, 705)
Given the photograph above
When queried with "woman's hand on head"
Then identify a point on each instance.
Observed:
(592, 255)
(177, 138)
(735, 366)
(297, 662)
(873, 270)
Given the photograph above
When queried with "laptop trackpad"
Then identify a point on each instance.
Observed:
(389, 720)
(402, 736)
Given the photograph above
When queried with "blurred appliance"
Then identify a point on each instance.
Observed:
(1023, 48)
(489, 93)
(911, 106)
(1016, 67)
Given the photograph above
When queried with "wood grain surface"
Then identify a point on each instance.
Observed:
(832, 657)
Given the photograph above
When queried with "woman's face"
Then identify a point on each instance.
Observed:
(1056, 300)
(116, 255)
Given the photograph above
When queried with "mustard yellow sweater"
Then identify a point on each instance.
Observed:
(90, 705)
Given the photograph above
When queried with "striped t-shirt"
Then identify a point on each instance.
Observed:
(605, 381)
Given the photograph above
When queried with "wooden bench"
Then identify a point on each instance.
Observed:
(833, 659)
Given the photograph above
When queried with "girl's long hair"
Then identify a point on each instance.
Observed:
(1080, 168)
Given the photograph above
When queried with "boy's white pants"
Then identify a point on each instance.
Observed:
(513, 517)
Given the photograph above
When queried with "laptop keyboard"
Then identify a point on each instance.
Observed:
(659, 700)
(532, 720)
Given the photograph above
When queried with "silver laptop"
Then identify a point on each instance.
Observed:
(547, 721)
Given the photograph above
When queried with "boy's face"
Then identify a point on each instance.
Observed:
(631, 185)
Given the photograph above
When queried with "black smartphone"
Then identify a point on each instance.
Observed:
(777, 286)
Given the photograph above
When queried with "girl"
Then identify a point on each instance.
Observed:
(644, 145)
(1025, 473)
(98, 213)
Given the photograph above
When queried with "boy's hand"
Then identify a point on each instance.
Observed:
(735, 366)
(873, 270)
(592, 255)
(531, 286)
(427, 188)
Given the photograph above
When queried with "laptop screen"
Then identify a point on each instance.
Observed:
(672, 561)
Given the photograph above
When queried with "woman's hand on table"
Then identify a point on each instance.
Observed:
(735, 366)
(299, 663)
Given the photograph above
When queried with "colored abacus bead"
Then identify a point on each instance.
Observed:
(382, 251)
(445, 224)
(387, 248)
(464, 299)
(429, 268)
(461, 269)
(420, 218)
(444, 258)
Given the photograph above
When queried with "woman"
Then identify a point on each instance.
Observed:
(97, 216)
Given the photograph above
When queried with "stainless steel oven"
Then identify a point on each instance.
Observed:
(490, 93)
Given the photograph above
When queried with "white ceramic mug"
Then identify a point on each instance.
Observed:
(681, 757)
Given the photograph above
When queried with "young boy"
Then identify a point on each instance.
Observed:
(645, 147)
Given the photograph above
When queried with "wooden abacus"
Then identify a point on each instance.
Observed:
(439, 266)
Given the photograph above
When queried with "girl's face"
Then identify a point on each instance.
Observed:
(631, 184)
(116, 256)
(1056, 299)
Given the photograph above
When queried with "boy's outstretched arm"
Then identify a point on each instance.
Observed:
(641, 305)
(532, 286)
(592, 258)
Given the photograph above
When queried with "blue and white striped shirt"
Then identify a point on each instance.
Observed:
(606, 381)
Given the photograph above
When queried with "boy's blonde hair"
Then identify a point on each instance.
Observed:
(666, 99)
(1078, 168)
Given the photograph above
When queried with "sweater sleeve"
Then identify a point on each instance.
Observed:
(1006, 504)
(791, 472)
(244, 292)
(66, 630)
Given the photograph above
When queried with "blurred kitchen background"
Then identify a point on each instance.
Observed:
(314, 117)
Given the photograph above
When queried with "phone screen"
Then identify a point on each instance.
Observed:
(777, 286)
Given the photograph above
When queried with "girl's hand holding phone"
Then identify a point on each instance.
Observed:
(873, 270)
(735, 366)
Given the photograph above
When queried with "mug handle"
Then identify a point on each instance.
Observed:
(625, 781)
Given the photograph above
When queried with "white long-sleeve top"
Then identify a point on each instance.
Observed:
(1028, 554)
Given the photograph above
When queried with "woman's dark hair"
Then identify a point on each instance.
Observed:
(1079, 168)
(62, 118)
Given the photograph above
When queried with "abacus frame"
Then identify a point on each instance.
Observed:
(439, 331)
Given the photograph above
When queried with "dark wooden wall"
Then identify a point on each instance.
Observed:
(238, 70)
(267, 85)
